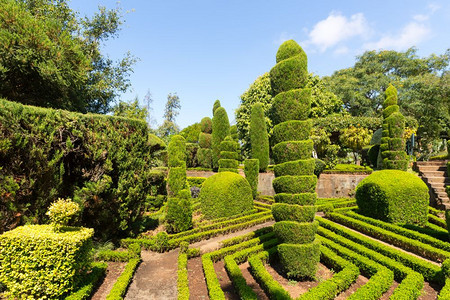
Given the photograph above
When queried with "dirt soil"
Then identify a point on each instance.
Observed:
(225, 282)
(197, 283)
(251, 282)
(112, 273)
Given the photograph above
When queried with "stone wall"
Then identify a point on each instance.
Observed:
(328, 185)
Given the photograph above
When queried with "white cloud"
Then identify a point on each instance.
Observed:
(341, 50)
(337, 28)
(421, 18)
(410, 35)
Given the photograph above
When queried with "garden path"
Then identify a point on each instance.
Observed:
(156, 276)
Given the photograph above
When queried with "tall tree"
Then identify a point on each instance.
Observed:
(220, 130)
(131, 110)
(169, 127)
(50, 57)
(258, 137)
(423, 85)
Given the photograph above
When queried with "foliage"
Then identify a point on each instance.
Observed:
(55, 265)
(195, 181)
(120, 286)
(191, 155)
(300, 260)
(349, 168)
(90, 282)
(215, 106)
(251, 171)
(258, 92)
(422, 83)
(179, 214)
(176, 151)
(61, 211)
(355, 138)
(220, 130)
(206, 125)
(225, 194)
(324, 102)
(131, 110)
(191, 133)
(101, 162)
(50, 57)
(259, 140)
(393, 196)
(169, 127)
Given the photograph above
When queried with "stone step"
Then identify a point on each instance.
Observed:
(442, 194)
(439, 189)
(431, 163)
(433, 180)
(433, 173)
(425, 168)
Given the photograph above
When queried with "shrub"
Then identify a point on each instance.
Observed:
(191, 155)
(204, 140)
(195, 181)
(393, 196)
(300, 260)
(259, 139)
(176, 151)
(215, 106)
(225, 194)
(373, 155)
(291, 105)
(293, 130)
(220, 130)
(289, 74)
(206, 125)
(251, 171)
(319, 166)
(179, 214)
(204, 158)
(39, 263)
(99, 161)
(300, 199)
(61, 211)
(299, 213)
(296, 167)
(292, 150)
(176, 180)
(295, 184)
(292, 232)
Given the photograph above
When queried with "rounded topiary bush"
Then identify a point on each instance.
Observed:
(206, 125)
(393, 196)
(225, 194)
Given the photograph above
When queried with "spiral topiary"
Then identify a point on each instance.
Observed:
(392, 148)
(295, 182)
(204, 154)
(228, 156)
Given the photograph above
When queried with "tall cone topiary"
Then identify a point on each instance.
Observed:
(204, 154)
(259, 138)
(228, 156)
(176, 179)
(392, 146)
(220, 130)
(294, 182)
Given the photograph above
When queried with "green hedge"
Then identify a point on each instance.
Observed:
(293, 232)
(89, 283)
(288, 74)
(300, 199)
(204, 158)
(299, 260)
(121, 285)
(204, 140)
(289, 212)
(179, 214)
(259, 138)
(220, 130)
(228, 163)
(293, 130)
(393, 196)
(206, 125)
(291, 105)
(182, 280)
(39, 263)
(295, 184)
(225, 194)
(195, 181)
(295, 167)
(176, 180)
(251, 171)
(292, 150)
(100, 161)
(290, 49)
(176, 151)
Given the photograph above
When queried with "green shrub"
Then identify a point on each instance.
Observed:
(206, 125)
(259, 139)
(289, 74)
(99, 161)
(373, 155)
(120, 286)
(191, 155)
(228, 155)
(228, 163)
(296, 167)
(176, 180)
(176, 151)
(90, 282)
(300, 199)
(300, 260)
(204, 158)
(215, 106)
(293, 130)
(61, 211)
(292, 232)
(295, 184)
(291, 105)
(288, 212)
(349, 169)
(393, 196)
(396, 125)
(220, 130)
(390, 110)
(251, 171)
(204, 140)
(319, 166)
(292, 150)
(195, 181)
(39, 263)
(179, 214)
(225, 194)
(182, 280)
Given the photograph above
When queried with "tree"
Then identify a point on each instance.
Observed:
(324, 102)
(191, 133)
(355, 138)
(258, 137)
(169, 127)
(423, 85)
(220, 130)
(131, 110)
(49, 57)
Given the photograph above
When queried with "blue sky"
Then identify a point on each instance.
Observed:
(208, 50)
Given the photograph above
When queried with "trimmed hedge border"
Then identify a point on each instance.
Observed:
(120, 287)
(411, 282)
(245, 237)
(419, 248)
(182, 281)
(430, 272)
(90, 283)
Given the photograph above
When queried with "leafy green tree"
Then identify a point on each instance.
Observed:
(49, 57)
(131, 110)
(324, 102)
(169, 127)
(423, 85)
(191, 133)
(355, 138)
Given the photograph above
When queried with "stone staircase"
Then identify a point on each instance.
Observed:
(435, 175)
